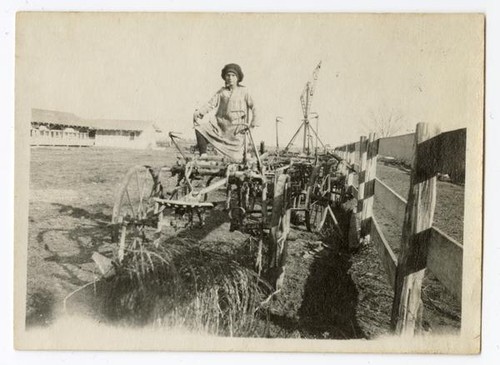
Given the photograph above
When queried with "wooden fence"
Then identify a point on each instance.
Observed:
(421, 246)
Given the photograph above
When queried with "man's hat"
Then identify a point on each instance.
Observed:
(232, 67)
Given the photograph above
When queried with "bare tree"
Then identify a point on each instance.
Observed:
(384, 122)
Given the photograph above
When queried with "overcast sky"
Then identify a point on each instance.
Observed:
(425, 68)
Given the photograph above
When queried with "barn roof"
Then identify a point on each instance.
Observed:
(54, 117)
(72, 120)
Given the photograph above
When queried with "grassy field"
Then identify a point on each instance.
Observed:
(328, 293)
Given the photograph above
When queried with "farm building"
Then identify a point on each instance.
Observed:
(55, 128)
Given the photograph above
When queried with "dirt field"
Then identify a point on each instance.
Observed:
(328, 293)
(449, 212)
(71, 199)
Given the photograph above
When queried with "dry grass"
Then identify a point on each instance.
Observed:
(180, 284)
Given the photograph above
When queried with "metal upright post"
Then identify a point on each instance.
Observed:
(278, 119)
(304, 142)
(317, 131)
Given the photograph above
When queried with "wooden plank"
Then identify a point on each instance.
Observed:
(183, 203)
(428, 160)
(363, 146)
(354, 190)
(385, 253)
(445, 261)
(453, 144)
(392, 201)
(407, 306)
(350, 171)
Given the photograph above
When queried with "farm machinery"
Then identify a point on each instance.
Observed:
(262, 195)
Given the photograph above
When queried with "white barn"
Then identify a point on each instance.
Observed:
(54, 128)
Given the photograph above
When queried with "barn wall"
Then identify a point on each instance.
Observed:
(52, 134)
(59, 137)
(123, 139)
(148, 137)
(107, 138)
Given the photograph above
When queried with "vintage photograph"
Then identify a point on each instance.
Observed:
(249, 182)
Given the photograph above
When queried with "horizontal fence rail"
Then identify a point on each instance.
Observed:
(387, 256)
(393, 202)
(445, 261)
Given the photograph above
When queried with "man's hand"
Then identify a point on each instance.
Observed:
(196, 116)
(241, 128)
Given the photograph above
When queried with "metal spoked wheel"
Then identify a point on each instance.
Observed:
(135, 213)
(314, 216)
(279, 230)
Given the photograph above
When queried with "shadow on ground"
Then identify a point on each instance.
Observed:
(330, 297)
(71, 251)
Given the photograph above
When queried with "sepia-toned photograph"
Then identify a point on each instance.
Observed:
(249, 182)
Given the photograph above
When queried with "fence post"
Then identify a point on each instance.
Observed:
(412, 260)
(355, 220)
(343, 155)
(361, 211)
(349, 159)
(352, 151)
(368, 187)
(346, 170)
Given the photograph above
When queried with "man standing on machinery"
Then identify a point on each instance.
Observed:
(226, 128)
